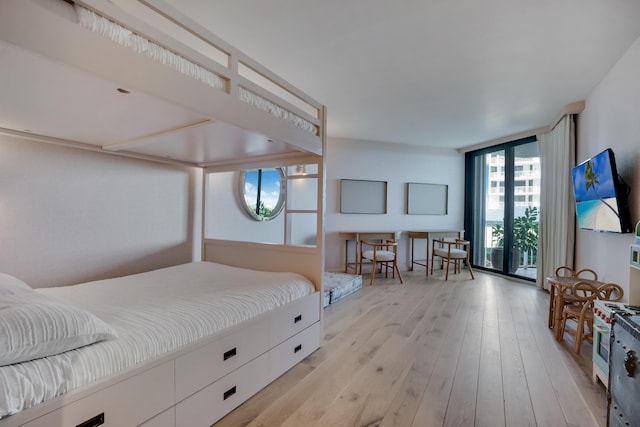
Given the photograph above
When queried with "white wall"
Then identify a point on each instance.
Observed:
(68, 215)
(612, 119)
(397, 164)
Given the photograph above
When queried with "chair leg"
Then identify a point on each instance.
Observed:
(579, 337)
(551, 306)
(395, 265)
(470, 269)
(373, 273)
(562, 325)
(446, 276)
(432, 256)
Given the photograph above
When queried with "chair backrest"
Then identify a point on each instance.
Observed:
(444, 242)
(585, 273)
(584, 292)
(451, 241)
(610, 292)
(450, 248)
(462, 242)
(388, 245)
(564, 271)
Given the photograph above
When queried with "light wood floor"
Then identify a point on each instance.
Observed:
(435, 353)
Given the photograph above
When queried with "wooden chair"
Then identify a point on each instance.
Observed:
(564, 271)
(581, 310)
(451, 250)
(383, 254)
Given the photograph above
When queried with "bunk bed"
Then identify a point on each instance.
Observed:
(229, 114)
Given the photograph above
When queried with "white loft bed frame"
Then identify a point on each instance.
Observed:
(147, 395)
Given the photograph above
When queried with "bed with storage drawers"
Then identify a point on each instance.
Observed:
(183, 344)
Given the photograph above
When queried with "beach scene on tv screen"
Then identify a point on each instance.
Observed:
(594, 189)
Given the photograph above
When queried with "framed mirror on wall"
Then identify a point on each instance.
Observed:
(263, 193)
(359, 196)
(427, 199)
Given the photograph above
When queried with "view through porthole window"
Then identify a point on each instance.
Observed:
(263, 192)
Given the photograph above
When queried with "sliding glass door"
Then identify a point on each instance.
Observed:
(502, 203)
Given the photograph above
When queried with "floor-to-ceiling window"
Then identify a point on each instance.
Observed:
(502, 202)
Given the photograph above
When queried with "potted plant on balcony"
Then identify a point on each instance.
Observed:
(525, 239)
(525, 233)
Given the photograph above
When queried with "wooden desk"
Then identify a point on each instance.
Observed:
(557, 287)
(356, 236)
(426, 234)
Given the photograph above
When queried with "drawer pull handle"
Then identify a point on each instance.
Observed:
(298, 348)
(98, 420)
(297, 319)
(227, 394)
(630, 363)
(229, 354)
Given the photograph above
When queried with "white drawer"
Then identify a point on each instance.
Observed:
(204, 365)
(165, 419)
(215, 401)
(292, 351)
(294, 317)
(127, 403)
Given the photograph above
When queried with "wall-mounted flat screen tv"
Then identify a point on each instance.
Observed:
(601, 195)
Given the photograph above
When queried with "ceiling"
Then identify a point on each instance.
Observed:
(431, 72)
(425, 72)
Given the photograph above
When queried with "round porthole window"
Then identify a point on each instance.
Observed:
(263, 192)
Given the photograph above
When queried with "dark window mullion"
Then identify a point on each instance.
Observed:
(509, 165)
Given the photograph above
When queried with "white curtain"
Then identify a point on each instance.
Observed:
(557, 207)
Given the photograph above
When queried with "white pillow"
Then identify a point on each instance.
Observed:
(33, 326)
(10, 285)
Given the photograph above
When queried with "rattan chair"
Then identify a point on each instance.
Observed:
(564, 271)
(581, 310)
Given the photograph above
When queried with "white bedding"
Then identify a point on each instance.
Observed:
(153, 313)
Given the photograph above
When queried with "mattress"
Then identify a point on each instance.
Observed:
(340, 285)
(154, 313)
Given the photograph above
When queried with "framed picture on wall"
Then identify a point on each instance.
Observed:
(363, 197)
(427, 199)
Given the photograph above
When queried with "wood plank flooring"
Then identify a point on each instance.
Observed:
(434, 353)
